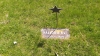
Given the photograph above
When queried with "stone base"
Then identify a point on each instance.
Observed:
(55, 33)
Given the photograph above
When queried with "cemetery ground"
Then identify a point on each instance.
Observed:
(22, 20)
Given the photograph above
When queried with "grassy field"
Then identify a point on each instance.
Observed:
(22, 20)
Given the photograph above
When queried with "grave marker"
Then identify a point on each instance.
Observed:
(55, 33)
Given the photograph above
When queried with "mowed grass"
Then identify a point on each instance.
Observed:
(22, 21)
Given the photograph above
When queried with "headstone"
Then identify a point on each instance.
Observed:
(55, 33)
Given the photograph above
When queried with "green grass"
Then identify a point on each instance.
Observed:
(22, 20)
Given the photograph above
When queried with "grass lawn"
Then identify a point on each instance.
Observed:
(22, 20)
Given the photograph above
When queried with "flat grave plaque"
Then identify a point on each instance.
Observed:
(55, 33)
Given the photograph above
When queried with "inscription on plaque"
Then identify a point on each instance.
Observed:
(55, 33)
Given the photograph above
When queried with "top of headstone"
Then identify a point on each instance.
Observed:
(55, 33)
